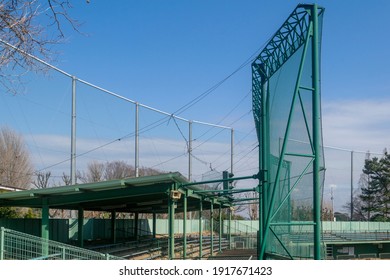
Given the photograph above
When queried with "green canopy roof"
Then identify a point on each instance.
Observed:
(149, 194)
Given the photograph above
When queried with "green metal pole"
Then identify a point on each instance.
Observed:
(45, 222)
(261, 223)
(200, 229)
(2, 235)
(171, 229)
(136, 222)
(316, 134)
(230, 228)
(154, 225)
(80, 225)
(45, 228)
(220, 228)
(289, 194)
(185, 225)
(113, 226)
(263, 158)
(212, 227)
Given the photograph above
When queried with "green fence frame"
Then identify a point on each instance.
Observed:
(15, 245)
(300, 30)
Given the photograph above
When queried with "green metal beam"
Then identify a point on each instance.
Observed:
(255, 176)
(113, 227)
(171, 222)
(316, 133)
(2, 241)
(80, 227)
(45, 229)
(200, 229)
(230, 192)
(212, 228)
(185, 226)
(220, 228)
(154, 225)
(136, 225)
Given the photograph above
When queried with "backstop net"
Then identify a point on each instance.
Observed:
(286, 108)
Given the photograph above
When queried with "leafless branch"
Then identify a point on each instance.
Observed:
(26, 26)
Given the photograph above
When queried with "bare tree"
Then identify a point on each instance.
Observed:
(28, 29)
(253, 208)
(94, 173)
(42, 180)
(111, 170)
(118, 170)
(16, 169)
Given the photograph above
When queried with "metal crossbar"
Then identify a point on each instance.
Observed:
(16, 245)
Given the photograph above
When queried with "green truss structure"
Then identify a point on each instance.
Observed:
(287, 114)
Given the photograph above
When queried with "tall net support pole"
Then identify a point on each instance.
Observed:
(189, 151)
(351, 185)
(73, 134)
(264, 157)
(316, 134)
(231, 150)
(136, 142)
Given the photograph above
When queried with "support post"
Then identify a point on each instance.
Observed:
(73, 134)
(212, 227)
(220, 228)
(261, 222)
(231, 150)
(73, 140)
(136, 141)
(136, 222)
(171, 221)
(189, 151)
(2, 241)
(200, 229)
(154, 225)
(45, 227)
(351, 185)
(316, 134)
(185, 225)
(45, 222)
(230, 228)
(263, 160)
(80, 225)
(113, 226)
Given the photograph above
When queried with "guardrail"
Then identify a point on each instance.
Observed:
(16, 245)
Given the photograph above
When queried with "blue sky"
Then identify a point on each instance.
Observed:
(166, 53)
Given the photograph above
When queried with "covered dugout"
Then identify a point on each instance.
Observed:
(166, 193)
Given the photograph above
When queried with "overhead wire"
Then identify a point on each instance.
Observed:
(152, 125)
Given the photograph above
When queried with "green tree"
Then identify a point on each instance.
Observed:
(375, 195)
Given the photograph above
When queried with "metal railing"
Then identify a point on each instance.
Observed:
(16, 245)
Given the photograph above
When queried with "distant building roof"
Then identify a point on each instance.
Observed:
(10, 189)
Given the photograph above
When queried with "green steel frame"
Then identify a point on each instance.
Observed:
(150, 194)
(299, 30)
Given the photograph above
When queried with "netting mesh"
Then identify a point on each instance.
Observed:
(288, 144)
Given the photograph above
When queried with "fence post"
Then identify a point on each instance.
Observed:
(62, 253)
(2, 243)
